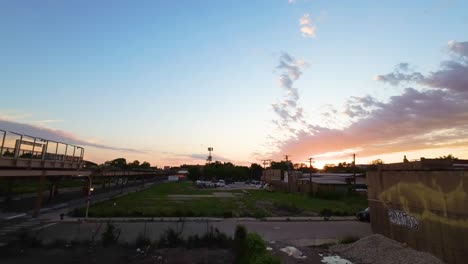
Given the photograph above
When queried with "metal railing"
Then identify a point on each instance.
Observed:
(72, 154)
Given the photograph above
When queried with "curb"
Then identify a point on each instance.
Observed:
(198, 220)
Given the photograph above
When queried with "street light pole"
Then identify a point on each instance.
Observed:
(88, 200)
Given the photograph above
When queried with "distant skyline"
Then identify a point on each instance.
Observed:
(161, 81)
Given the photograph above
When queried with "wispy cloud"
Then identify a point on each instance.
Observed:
(306, 27)
(288, 110)
(432, 116)
(55, 135)
(291, 1)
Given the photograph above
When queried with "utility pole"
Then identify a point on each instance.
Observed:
(289, 171)
(88, 199)
(265, 162)
(310, 174)
(354, 169)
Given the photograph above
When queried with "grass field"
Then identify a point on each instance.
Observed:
(154, 202)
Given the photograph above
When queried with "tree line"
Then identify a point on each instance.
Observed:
(119, 164)
(224, 171)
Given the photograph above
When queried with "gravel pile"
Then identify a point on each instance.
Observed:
(378, 249)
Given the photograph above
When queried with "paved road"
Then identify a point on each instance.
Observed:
(295, 233)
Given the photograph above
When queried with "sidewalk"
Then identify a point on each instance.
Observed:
(205, 219)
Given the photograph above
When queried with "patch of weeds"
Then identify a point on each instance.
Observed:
(178, 213)
(189, 213)
(259, 214)
(252, 249)
(325, 245)
(326, 212)
(290, 208)
(227, 214)
(170, 239)
(142, 241)
(193, 241)
(348, 240)
(111, 235)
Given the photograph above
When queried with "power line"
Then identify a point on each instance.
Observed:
(265, 162)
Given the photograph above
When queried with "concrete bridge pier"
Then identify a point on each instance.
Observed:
(9, 190)
(53, 190)
(38, 202)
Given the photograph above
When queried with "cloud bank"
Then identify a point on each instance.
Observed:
(432, 115)
(55, 135)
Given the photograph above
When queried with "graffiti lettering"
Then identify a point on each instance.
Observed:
(401, 218)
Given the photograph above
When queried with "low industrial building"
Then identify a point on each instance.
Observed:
(296, 181)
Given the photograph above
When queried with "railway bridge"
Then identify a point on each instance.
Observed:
(28, 157)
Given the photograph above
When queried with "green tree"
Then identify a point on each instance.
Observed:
(448, 157)
(282, 165)
(256, 171)
(135, 164)
(145, 165)
(119, 163)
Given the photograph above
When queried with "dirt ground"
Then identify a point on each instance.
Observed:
(116, 255)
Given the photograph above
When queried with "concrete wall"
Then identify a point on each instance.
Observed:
(427, 209)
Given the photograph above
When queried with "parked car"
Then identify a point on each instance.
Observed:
(364, 215)
(220, 183)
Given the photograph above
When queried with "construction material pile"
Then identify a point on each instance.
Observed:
(378, 249)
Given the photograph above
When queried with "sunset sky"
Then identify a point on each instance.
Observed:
(162, 81)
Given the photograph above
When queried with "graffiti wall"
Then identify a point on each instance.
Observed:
(427, 209)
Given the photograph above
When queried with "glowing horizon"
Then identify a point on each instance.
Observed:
(161, 81)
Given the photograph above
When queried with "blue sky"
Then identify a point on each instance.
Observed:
(174, 77)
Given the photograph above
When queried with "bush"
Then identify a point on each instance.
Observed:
(142, 241)
(111, 235)
(170, 239)
(249, 248)
(215, 239)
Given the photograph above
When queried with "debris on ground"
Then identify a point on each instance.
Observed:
(333, 259)
(378, 249)
(293, 252)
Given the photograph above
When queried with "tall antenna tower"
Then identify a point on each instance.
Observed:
(210, 158)
(310, 160)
